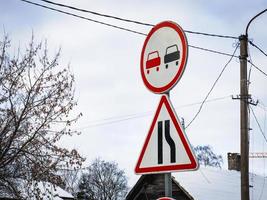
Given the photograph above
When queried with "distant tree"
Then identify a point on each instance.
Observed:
(207, 157)
(103, 181)
(70, 178)
(36, 98)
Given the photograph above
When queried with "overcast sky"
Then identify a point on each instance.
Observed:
(117, 108)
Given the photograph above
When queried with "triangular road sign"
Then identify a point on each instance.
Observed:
(166, 147)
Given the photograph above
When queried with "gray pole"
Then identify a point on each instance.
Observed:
(168, 184)
(168, 176)
(244, 142)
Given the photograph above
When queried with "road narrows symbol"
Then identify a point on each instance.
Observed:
(160, 141)
(169, 140)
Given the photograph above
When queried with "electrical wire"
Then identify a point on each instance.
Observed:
(265, 10)
(263, 133)
(264, 73)
(117, 119)
(97, 13)
(250, 70)
(213, 51)
(257, 47)
(261, 105)
(133, 21)
(214, 84)
(257, 121)
(211, 35)
(249, 76)
(207, 101)
(251, 134)
(129, 30)
(204, 176)
(85, 18)
(263, 184)
(109, 122)
(251, 148)
(118, 27)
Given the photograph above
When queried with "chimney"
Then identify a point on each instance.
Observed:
(234, 161)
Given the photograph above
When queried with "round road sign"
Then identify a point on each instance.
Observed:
(165, 198)
(164, 57)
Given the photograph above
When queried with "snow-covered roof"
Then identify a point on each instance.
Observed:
(213, 183)
(55, 191)
(63, 193)
(47, 191)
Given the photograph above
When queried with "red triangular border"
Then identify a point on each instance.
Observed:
(193, 165)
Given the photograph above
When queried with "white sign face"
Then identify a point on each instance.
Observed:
(166, 147)
(163, 57)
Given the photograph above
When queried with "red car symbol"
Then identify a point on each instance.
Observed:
(153, 60)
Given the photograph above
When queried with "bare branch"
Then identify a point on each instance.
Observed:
(36, 99)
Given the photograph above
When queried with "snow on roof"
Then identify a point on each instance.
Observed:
(55, 191)
(212, 183)
(63, 193)
(47, 191)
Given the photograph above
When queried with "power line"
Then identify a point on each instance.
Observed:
(129, 30)
(133, 21)
(110, 122)
(117, 119)
(254, 45)
(97, 13)
(214, 84)
(262, 106)
(213, 51)
(262, 188)
(257, 121)
(85, 18)
(118, 27)
(264, 73)
(250, 69)
(253, 18)
(207, 101)
(211, 35)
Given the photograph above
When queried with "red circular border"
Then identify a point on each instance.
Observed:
(179, 74)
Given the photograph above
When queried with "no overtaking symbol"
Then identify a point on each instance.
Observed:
(163, 57)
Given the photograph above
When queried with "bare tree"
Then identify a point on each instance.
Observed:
(70, 178)
(207, 157)
(35, 102)
(103, 181)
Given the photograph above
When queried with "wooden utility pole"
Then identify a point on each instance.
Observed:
(244, 142)
(244, 96)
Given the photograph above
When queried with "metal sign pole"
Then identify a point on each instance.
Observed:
(163, 61)
(168, 176)
(168, 184)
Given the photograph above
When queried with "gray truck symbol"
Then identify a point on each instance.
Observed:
(172, 54)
